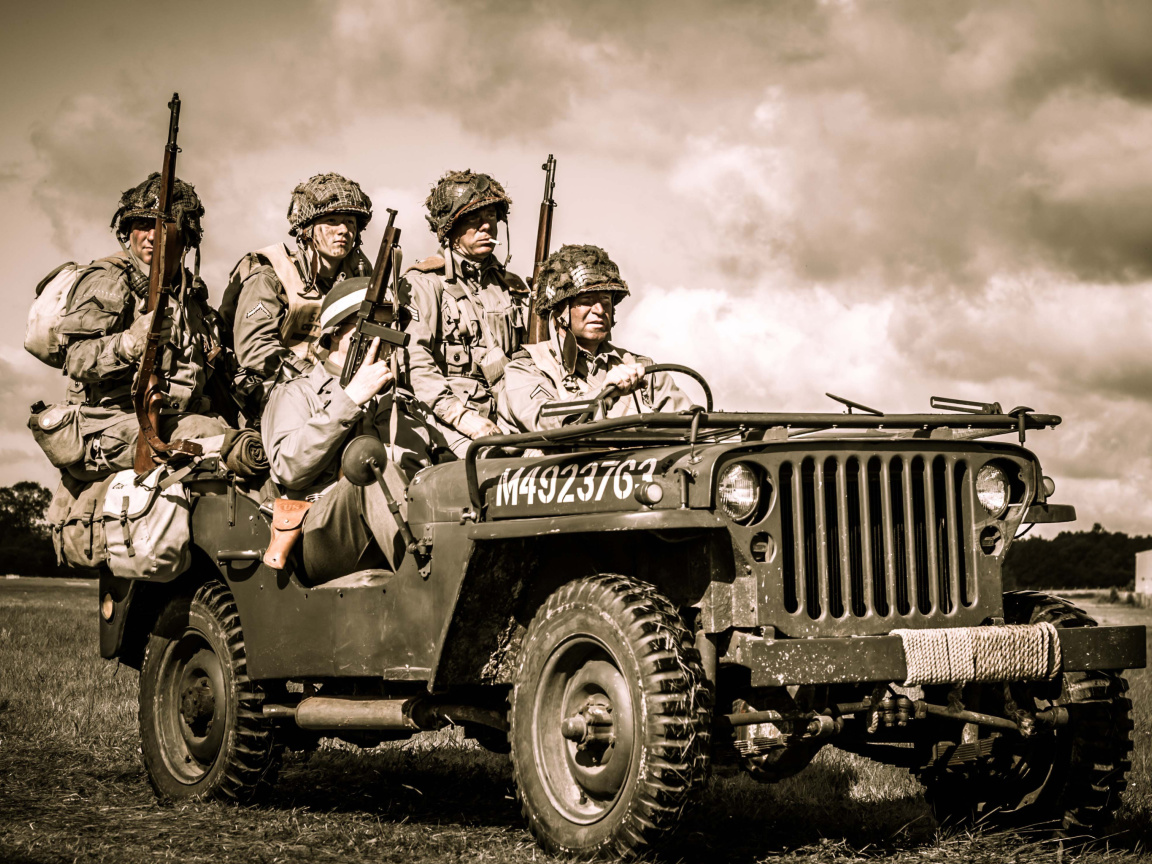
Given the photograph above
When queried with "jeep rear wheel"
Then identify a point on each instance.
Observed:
(1070, 777)
(610, 718)
(201, 729)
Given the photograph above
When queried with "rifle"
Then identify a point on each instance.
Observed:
(538, 323)
(377, 314)
(167, 255)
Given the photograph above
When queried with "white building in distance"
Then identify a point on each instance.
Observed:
(1144, 573)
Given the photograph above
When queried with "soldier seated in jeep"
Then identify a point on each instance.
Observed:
(466, 310)
(580, 288)
(104, 330)
(306, 424)
(273, 297)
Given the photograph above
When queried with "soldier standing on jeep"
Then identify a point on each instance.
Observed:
(580, 289)
(305, 426)
(467, 309)
(104, 332)
(274, 294)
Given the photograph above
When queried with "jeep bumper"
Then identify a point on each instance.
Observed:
(845, 660)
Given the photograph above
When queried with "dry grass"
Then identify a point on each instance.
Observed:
(72, 787)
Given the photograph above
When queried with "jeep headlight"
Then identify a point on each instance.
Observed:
(738, 492)
(992, 490)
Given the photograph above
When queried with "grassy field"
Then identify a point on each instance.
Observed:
(72, 787)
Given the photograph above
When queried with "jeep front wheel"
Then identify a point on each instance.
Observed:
(201, 729)
(610, 718)
(1070, 777)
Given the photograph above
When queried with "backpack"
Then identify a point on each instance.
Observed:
(52, 302)
(47, 310)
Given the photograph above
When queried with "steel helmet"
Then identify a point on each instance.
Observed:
(576, 270)
(143, 202)
(460, 192)
(324, 194)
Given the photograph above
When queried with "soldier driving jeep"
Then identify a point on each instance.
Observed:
(580, 288)
(305, 426)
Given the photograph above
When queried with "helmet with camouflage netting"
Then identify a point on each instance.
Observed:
(143, 203)
(576, 270)
(460, 192)
(324, 194)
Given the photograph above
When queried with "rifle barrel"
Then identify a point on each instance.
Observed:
(173, 121)
(537, 323)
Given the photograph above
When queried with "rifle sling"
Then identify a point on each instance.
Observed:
(145, 392)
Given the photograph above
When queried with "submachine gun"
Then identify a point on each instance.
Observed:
(377, 316)
(167, 263)
(538, 323)
(366, 458)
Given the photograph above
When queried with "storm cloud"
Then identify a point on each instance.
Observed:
(888, 201)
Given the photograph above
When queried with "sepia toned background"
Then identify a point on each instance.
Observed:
(886, 201)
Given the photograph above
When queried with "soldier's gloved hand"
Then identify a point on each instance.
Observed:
(372, 377)
(626, 377)
(135, 338)
(474, 425)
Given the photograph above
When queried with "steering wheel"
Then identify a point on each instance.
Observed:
(648, 370)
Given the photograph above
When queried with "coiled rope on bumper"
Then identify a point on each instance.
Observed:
(1013, 652)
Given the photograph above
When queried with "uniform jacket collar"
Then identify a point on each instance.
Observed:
(457, 266)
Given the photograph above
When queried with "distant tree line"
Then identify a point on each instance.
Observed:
(25, 540)
(1072, 559)
(1075, 559)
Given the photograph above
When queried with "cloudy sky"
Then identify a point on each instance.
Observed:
(888, 201)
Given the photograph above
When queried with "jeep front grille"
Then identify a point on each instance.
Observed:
(876, 535)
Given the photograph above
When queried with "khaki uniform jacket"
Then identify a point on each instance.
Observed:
(535, 377)
(466, 320)
(309, 419)
(102, 306)
(257, 305)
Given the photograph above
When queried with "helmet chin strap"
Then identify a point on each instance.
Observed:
(569, 348)
(360, 269)
(309, 255)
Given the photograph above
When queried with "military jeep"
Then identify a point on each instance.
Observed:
(623, 603)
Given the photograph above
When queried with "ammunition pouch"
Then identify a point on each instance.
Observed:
(287, 524)
(458, 360)
(87, 441)
(492, 366)
(74, 520)
(109, 441)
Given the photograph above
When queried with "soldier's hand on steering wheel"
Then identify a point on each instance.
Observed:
(625, 377)
(371, 378)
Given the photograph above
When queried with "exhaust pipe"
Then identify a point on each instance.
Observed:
(348, 713)
(368, 715)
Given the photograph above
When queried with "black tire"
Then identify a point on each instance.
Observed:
(1070, 778)
(201, 728)
(613, 644)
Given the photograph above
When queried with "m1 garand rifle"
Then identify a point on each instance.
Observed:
(167, 262)
(538, 323)
(377, 315)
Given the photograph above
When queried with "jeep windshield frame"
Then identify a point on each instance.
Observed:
(700, 427)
